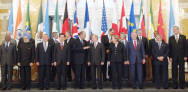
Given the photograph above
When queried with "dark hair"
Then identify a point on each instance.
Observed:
(61, 35)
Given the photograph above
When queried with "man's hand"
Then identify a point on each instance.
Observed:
(107, 51)
(108, 62)
(170, 59)
(102, 63)
(68, 63)
(86, 47)
(55, 63)
(185, 58)
(31, 64)
(160, 58)
(126, 63)
(147, 56)
(143, 61)
(19, 64)
(37, 64)
(89, 63)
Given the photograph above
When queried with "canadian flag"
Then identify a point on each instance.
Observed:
(123, 23)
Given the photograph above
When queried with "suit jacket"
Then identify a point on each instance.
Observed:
(145, 43)
(70, 46)
(61, 56)
(160, 51)
(151, 42)
(177, 49)
(8, 57)
(80, 55)
(96, 55)
(135, 55)
(117, 54)
(105, 42)
(26, 53)
(44, 58)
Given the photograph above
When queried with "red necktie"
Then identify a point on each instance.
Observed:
(135, 45)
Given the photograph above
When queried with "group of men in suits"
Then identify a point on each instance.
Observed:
(113, 58)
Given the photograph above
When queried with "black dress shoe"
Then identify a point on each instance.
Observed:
(41, 89)
(4, 88)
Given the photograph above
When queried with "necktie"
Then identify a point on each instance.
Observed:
(7, 47)
(135, 45)
(177, 39)
(159, 43)
(45, 47)
(61, 46)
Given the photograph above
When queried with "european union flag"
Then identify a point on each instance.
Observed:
(132, 22)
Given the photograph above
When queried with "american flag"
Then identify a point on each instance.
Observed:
(104, 27)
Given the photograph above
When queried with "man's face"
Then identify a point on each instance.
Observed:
(62, 38)
(94, 38)
(122, 36)
(111, 32)
(67, 35)
(40, 34)
(139, 32)
(45, 37)
(176, 30)
(159, 38)
(134, 36)
(83, 36)
(26, 39)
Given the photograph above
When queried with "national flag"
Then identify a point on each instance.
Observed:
(171, 20)
(132, 24)
(123, 21)
(114, 19)
(86, 22)
(75, 24)
(104, 27)
(28, 22)
(40, 19)
(142, 20)
(56, 20)
(65, 21)
(47, 22)
(160, 27)
(19, 27)
(151, 23)
(10, 21)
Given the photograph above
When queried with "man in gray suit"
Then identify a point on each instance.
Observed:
(96, 59)
(11, 40)
(7, 61)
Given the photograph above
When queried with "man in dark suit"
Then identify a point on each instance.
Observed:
(150, 61)
(44, 59)
(145, 43)
(61, 58)
(26, 54)
(69, 41)
(96, 59)
(177, 55)
(160, 52)
(7, 61)
(125, 69)
(106, 41)
(79, 62)
(53, 41)
(136, 59)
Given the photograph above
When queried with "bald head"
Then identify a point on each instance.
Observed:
(8, 36)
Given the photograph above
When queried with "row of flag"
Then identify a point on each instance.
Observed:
(126, 25)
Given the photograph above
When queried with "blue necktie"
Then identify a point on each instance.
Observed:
(7, 47)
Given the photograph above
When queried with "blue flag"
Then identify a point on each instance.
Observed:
(104, 27)
(171, 20)
(10, 21)
(86, 22)
(132, 24)
(46, 22)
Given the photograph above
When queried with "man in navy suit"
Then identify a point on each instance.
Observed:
(160, 52)
(79, 59)
(136, 59)
(44, 61)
